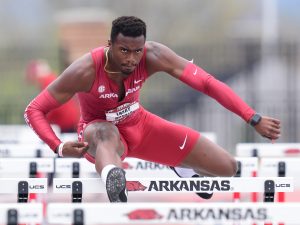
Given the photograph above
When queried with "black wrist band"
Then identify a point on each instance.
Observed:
(256, 118)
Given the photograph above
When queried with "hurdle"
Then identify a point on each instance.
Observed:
(25, 150)
(247, 167)
(281, 167)
(137, 168)
(175, 213)
(268, 149)
(21, 133)
(23, 187)
(26, 167)
(73, 167)
(29, 167)
(15, 214)
(73, 136)
(269, 186)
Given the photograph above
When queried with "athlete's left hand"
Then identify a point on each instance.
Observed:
(74, 149)
(269, 128)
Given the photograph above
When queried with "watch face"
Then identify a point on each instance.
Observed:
(255, 119)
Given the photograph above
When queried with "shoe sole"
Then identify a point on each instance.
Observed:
(115, 184)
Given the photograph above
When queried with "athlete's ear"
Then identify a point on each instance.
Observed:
(108, 43)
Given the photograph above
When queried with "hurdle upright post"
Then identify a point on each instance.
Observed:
(237, 195)
(75, 169)
(269, 191)
(254, 195)
(33, 174)
(23, 191)
(78, 217)
(12, 217)
(77, 191)
(281, 173)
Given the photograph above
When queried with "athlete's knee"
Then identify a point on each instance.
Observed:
(101, 131)
(231, 167)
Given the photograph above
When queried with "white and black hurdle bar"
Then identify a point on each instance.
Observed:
(23, 187)
(175, 213)
(150, 213)
(27, 210)
(278, 157)
(16, 214)
(247, 167)
(281, 167)
(68, 167)
(268, 150)
(27, 168)
(76, 187)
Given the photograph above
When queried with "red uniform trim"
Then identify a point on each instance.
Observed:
(35, 117)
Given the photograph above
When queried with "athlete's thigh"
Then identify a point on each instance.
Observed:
(211, 158)
(164, 142)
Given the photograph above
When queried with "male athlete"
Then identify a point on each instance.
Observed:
(114, 125)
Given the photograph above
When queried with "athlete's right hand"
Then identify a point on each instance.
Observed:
(74, 149)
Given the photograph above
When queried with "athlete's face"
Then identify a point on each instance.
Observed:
(126, 53)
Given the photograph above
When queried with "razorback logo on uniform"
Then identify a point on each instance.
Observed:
(134, 186)
(144, 214)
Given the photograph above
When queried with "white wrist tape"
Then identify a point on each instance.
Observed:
(60, 148)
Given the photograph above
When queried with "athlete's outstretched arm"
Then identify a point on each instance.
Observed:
(161, 58)
(77, 77)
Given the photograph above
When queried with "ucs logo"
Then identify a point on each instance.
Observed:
(283, 185)
(63, 186)
(37, 186)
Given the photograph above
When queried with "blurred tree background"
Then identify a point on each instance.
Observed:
(252, 45)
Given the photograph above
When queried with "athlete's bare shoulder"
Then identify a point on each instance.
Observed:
(155, 50)
(161, 58)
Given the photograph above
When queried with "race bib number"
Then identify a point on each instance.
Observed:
(121, 112)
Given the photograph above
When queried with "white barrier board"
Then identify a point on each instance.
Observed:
(64, 137)
(249, 165)
(35, 185)
(269, 167)
(25, 150)
(141, 168)
(64, 165)
(27, 213)
(22, 165)
(167, 185)
(268, 149)
(175, 213)
(21, 133)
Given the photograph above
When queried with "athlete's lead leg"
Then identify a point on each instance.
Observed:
(106, 147)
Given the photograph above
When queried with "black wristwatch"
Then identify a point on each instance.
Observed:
(256, 118)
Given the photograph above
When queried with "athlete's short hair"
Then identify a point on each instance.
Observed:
(130, 26)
